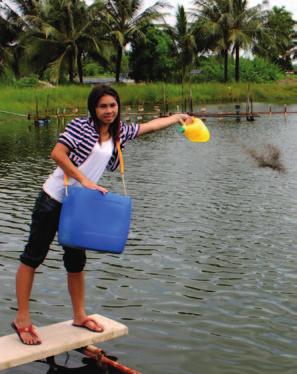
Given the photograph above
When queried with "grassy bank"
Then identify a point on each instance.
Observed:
(23, 100)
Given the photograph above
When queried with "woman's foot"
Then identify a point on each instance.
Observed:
(28, 334)
(89, 323)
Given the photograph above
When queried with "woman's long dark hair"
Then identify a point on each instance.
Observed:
(94, 96)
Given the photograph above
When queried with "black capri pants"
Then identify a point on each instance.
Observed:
(44, 225)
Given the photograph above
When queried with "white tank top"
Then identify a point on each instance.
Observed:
(93, 168)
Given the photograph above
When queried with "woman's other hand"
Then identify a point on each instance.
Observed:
(93, 186)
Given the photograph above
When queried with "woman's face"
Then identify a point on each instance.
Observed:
(107, 109)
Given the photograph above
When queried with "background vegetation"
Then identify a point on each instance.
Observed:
(62, 41)
(72, 98)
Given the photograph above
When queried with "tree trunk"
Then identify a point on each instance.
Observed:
(16, 63)
(237, 68)
(16, 69)
(119, 62)
(70, 67)
(183, 83)
(225, 65)
(79, 67)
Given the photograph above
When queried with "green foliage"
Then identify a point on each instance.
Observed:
(212, 70)
(184, 42)
(152, 59)
(125, 65)
(23, 100)
(126, 21)
(30, 81)
(280, 27)
(258, 70)
(52, 38)
(92, 69)
(7, 77)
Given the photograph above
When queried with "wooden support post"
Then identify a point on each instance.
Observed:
(203, 110)
(97, 355)
(165, 108)
(191, 102)
(237, 112)
(64, 117)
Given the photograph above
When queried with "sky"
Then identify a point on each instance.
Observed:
(290, 5)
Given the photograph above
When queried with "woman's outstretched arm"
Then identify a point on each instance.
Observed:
(161, 123)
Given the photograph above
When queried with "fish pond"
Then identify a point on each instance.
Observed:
(208, 280)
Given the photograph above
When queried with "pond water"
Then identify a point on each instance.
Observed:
(207, 282)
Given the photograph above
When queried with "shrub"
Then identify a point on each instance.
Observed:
(29, 81)
(257, 70)
(92, 69)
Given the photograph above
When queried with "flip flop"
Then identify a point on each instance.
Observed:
(29, 329)
(84, 324)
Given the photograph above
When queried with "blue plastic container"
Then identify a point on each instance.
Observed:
(91, 220)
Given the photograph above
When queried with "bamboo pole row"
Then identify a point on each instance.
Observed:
(138, 114)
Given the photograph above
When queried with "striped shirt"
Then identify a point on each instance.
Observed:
(81, 134)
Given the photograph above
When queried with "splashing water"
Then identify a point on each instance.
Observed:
(266, 156)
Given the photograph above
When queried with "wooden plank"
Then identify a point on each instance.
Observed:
(57, 338)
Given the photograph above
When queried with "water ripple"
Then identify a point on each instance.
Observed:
(208, 276)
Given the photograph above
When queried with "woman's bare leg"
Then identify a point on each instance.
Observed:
(24, 283)
(76, 287)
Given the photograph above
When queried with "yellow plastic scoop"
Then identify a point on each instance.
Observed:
(195, 130)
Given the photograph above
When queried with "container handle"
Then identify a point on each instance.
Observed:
(122, 165)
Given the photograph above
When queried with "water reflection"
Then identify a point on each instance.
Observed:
(207, 281)
(67, 364)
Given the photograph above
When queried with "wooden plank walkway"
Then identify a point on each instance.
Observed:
(57, 338)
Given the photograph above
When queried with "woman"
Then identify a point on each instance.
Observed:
(83, 151)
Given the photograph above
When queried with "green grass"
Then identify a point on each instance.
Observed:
(23, 100)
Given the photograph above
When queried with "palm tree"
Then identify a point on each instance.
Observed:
(60, 33)
(245, 25)
(213, 19)
(13, 26)
(184, 41)
(280, 32)
(125, 21)
(230, 24)
(57, 33)
(6, 37)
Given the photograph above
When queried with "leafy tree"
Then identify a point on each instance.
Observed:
(6, 37)
(62, 33)
(279, 25)
(125, 22)
(152, 59)
(213, 17)
(257, 70)
(245, 25)
(57, 33)
(13, 26)
(184, 41)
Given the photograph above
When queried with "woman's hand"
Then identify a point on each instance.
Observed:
(181, 118)
(60, 155)
(161, 123)
(93, 186)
